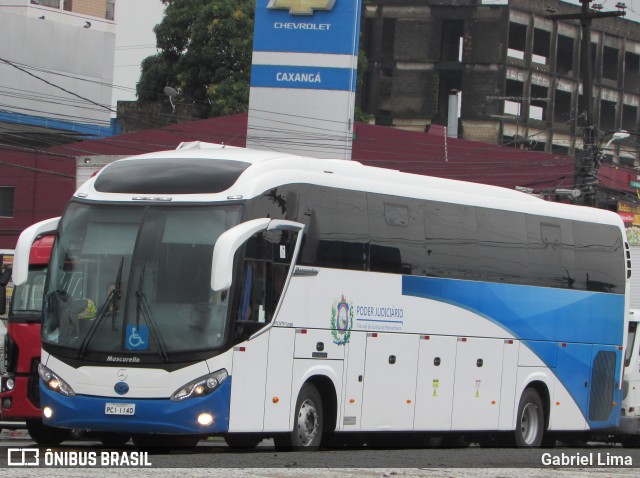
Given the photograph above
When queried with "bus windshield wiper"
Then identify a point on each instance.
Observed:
(110, 305)
(143, 309)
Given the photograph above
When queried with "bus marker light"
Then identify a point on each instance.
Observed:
(614, 404)
(351, 400)
(408, 402)
(557, 403)
(47, 412)
(275, 399)
(425, 337)
(462, 339)
(303, 331)
(205, 419)
(508, 341)
(563, 344)
(493, 402)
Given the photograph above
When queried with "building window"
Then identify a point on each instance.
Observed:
(111, 9)
(610, 63)
(564, 61)
(517, 40)
(47, 3)
(67, 5)
(6, 201)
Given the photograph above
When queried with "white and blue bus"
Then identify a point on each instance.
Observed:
(223, 291)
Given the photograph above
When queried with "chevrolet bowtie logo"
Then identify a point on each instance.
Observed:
(301, 7)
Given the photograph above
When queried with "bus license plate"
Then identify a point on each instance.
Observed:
(120, 409)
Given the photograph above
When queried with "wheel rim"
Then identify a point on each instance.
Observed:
(529, 423)
(307, 422)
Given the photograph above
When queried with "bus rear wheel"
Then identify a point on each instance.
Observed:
(308, 422)
(530, 424)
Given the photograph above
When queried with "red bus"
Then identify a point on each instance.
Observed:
(19, 393)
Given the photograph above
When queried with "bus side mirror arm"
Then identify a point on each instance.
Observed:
(226, 246)
(23, 247)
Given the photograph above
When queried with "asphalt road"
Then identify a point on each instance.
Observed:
(213, 458)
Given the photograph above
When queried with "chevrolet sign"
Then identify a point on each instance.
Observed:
(301, 7)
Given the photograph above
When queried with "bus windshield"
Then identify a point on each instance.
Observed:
(136, 279)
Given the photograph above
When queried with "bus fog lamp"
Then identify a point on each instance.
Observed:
(201, 386)
(47, 412)
(205, 419)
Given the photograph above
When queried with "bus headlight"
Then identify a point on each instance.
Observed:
(201, 386)
(55, 383)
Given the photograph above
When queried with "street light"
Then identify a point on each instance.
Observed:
(617, 136)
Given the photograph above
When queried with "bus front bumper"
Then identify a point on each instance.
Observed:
(146, 415)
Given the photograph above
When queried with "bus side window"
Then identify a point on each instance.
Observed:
(252, 298)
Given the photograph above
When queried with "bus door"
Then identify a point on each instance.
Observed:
(265, 268)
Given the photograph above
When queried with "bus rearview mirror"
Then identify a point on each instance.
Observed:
(23, 247)
(230, 241)
(225, 249)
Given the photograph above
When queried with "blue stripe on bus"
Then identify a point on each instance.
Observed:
(543, 318)
(151, 415)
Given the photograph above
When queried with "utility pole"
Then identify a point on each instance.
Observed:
(587, 160)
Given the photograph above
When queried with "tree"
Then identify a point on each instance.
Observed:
(205, 51)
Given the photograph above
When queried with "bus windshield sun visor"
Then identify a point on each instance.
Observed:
(169, 176)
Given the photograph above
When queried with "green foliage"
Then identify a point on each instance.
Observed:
(205, 51)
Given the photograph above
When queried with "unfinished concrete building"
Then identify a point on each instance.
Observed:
(516, 72)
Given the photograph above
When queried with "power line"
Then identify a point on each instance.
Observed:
(55, 86)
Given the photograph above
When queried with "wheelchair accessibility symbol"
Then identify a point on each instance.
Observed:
(137, 337)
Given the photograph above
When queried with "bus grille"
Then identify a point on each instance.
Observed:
(602, 385)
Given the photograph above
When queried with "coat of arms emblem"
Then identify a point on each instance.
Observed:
(341, 321)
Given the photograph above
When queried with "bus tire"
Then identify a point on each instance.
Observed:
(530, 420)
(308, 422)
(242, 441)
(45, 435)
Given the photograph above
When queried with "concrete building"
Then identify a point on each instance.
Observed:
(517, 72)
(56, 70)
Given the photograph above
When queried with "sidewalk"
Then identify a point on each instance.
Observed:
(13, 434)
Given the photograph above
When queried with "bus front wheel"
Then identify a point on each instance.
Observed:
(308, 422)
(530, 424)
(45, 435)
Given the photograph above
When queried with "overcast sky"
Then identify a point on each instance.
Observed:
(135, 41)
